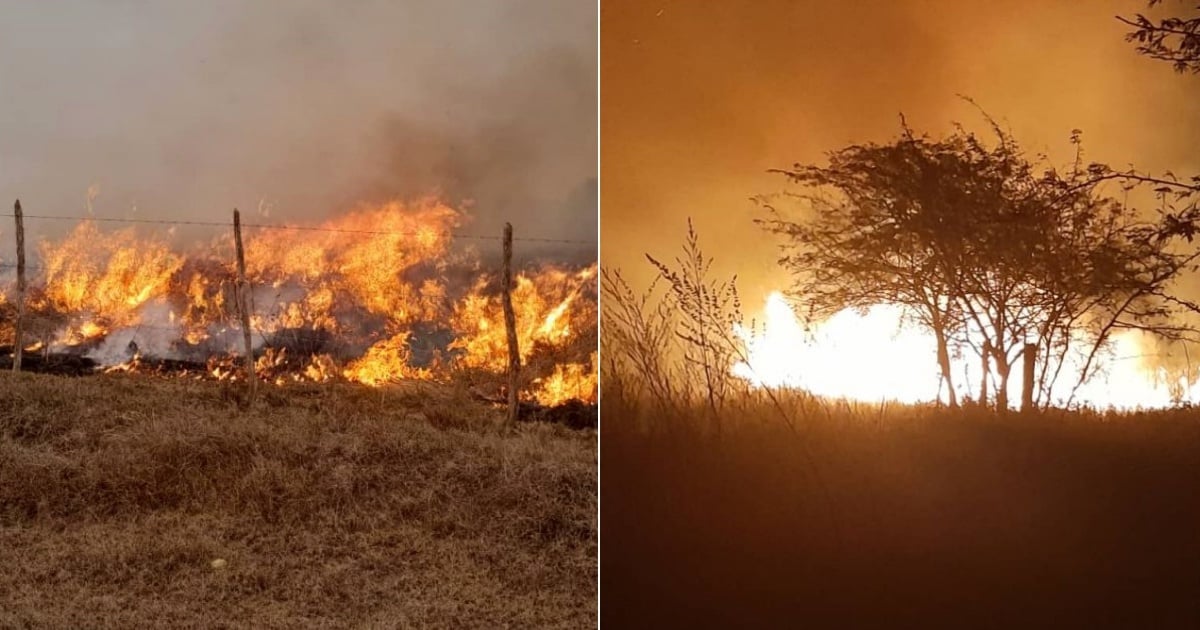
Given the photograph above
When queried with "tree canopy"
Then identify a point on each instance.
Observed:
(985, 247)
(1173, 38)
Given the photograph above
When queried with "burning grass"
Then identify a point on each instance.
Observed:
(377, 294)
(331, 506)
(898, 516)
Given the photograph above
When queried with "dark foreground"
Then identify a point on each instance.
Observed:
(912, 519)
(331, 507)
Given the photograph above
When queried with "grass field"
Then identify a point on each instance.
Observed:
(899, 517)
(330, 507)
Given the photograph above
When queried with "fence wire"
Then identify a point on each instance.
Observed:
(273, 226)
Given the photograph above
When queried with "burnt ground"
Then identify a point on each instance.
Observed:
(330, 507)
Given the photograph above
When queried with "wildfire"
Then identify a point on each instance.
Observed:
(385, 361)
(372, 296)
(541, 303)
(573, 381)
(103, 279)
(876, 356)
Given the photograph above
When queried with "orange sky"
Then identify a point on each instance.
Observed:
(698, 99)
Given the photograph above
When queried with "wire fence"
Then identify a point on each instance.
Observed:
(302, 228)
(275, 303)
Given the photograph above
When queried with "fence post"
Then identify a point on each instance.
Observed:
(1030, 366)
(983, 383)
(243, 292)
(18, 339)
(510, 325)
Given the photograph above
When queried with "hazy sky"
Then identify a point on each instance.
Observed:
(187, 109)
(700, 98)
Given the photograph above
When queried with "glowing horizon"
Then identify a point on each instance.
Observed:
(874, 357)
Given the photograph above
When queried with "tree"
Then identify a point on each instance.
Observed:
(868, 242)
(1174, 39)
(983, 247)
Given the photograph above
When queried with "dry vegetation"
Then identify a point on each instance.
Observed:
(330, 506)
(727, 506)
(899, 517)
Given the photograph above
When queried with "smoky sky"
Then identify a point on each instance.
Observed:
(305, 108)
(699, 99)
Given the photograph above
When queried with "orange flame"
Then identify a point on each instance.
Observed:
(875, 357)
(372, 296)
(573, 381)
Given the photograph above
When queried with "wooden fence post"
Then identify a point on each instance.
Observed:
(510, 324)
(1027, 387)
(18, 339)
(983, 383)
(243, 291)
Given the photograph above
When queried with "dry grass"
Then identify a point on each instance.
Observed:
(333, 507)
(899, 517)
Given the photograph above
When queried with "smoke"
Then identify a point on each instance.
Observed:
(301, 109)
(700, 99)
(157, 336)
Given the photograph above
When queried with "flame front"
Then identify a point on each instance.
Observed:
(375, 295)
(875, 357)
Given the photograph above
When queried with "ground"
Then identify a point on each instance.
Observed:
(900, 517)
(133, 502)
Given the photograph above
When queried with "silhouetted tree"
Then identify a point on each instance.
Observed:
(874, 211)
(1174, 39)
(983, 247)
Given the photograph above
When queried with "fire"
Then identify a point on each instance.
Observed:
(385, 361)
(373, 296)
(542, 303)
(103, 278)
(551, 305)
(864, 357)
(575, 381)
(876, 356)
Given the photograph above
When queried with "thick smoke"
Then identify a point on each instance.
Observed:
(699, 99)
(300, 109)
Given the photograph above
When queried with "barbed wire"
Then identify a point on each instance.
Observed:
(270, 226)
(271, 323)
(269, 300)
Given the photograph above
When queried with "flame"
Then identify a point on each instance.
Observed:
(542, 304)
(875, 356)
(374, 295)
(574, 381)
(104, 277)
(385, 361)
